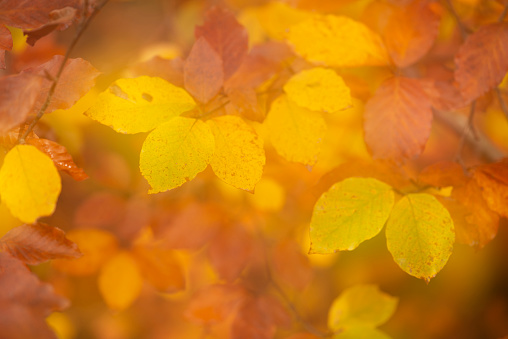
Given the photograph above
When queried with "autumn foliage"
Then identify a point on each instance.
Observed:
(253, 169)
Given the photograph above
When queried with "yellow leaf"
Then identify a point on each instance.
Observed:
(277, 17)
(361, 305)
(269, 196)
(175, 152)
(420, 235)
(319, 89)
(338, 41)
(296, 133)
(239, 154)
(361, 332)
(350, 212)
(29, 183)
(140, 104)
(120, 281)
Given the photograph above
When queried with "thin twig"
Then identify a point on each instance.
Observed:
(502, 103)
(503, 13)
(462, 28)
(81, 28)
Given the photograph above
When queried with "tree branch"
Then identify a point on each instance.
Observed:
(462, 28)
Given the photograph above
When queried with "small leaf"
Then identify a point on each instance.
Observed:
(175, 152)
(38, 243)
(350, 212)
(398, 119)
(420, 235)
(120, 281)
(319, 89)
(482, 61)
(361, 306)
(338, 41)
(126, 108)
(295, 132)
(239, 154)
(29, 183)
(202, 74)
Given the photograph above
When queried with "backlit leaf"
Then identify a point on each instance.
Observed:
(482, 61)
(295, 132)
(361, 332)
(120, 281)
(59, 19)
(319, 89)
(202, 74)
(398, 119)
(338, 41)
(239, 154)
(139, 104)
(226, 36)
(37, 243)
(175, 152)
(420, 235)
(493, 180)
(30, 13)
(350, 212)
(361, 305)
(29, 183)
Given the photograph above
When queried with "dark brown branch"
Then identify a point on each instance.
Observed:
(502, 103)
(503, 13)
(462, 28)
(80, 30)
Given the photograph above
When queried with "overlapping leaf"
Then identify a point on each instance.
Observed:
(493, 181)
(5, 44)
(420, 235)
(29, 183)
(398, 119)
(350, 212)
(338, 41)
(29, 13)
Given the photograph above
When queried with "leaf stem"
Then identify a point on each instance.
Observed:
(80, 29)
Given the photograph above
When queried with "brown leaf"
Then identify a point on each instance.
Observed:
(226, 36)
(17, 97)
(38, 243)
(398, 119)
(25, 302)
(202, 74)
(59, 19)
(5, 44)
(291, 265)
(230, 251)
(31, 13)
(493, 180)
(61, 158)
(77, 78)
(169, 70)
(482, 61)
(410, 32)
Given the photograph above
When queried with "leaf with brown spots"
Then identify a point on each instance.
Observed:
(38, 243)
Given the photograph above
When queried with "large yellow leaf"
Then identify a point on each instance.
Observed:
(361, 305)
(338, 41)
(295, 132)
(350, 212)
(319, 89)
(29, 183)
(239, 154)
(140, 104)
(420, 235)
(175, 152)
(120, 281)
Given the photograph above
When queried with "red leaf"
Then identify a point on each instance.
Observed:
(61, 158)
(443, 174)
(244, 101)
(31, 13)
(482, 61)
(398, 119)
(17, 97)
(59, 19)
(5, 44)
(38, 243)
(77, 78)
(202, 74)
(25, 302)
(169, 70)
(226, 36)
(493, 179)
(410, 32)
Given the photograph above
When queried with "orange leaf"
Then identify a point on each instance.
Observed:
(31, 14)
(226, 36)
(482, 61)
(38, 243)
(493, 180)
(58, 19)
(398, 119)
(410, 32)
(443, 174)
(5, 44)
(202, 74)
(25, 301)
(291, 265)
(169, 70)
(61, 158)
